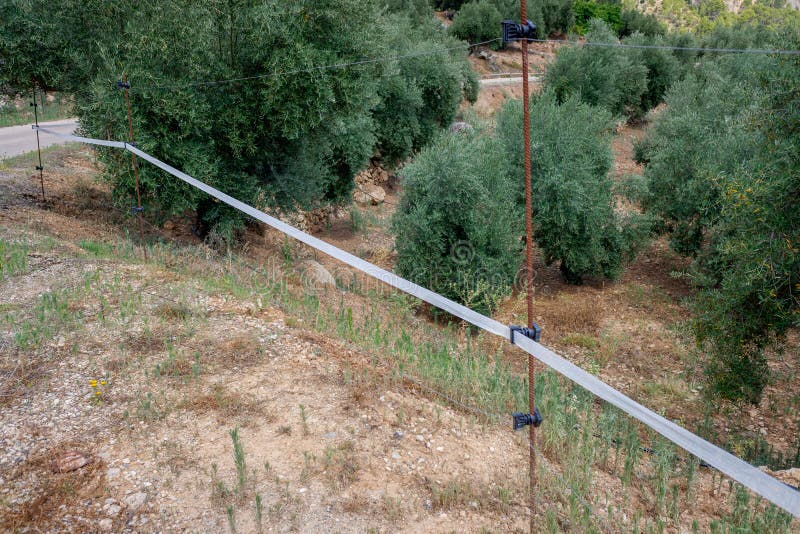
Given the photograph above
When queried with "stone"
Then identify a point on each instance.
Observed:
(135, 500)
(369, 194)
(106, 524)
(461, 127)
(69, 461)
(315, 276)
(113, 510)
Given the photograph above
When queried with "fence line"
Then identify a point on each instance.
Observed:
(756, 480)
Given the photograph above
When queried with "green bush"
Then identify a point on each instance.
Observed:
(574, 218)
(635, 21)
(477, 21)
(603, 76)
(586, 10)
(723, 175)
(551, 16)
(457, 230)
(662, 67)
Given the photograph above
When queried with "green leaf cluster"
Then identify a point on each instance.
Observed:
(724, 177)
(459, 224)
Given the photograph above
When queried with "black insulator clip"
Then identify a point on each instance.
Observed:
(136, 209)
(524, 419)
(39, 168)
(123, 85)
(534, 333)
(34, 105)
(513, 31)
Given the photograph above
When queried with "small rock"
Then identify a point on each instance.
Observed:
(135, 500)
(420, 438)
(316, 276)
(69, 461)
(439, 449)
(302, 490)
(112, 473)
(106, 524)
(113, 510)
(461, 127)
(396, 455)
(428, 504)
(398, 434)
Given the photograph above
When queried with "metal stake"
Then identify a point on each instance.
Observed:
(526, 128)
(40, 167)
(135, 166)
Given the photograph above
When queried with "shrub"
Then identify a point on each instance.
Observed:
(635, 21)
(477, 21)
(662, 67)
(601, 76)
(722, 174)
(419, 95)
(457, 231)
(574, 219)
(586, 10)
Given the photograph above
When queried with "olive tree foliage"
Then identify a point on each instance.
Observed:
(724, 176)
(478, 21)
(293, 139)
(286, 132)
(45, 42)
(601, 76)
(573, 211)
(421, 93)
(457, 228)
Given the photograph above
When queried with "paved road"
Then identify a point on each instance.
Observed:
(16, 140)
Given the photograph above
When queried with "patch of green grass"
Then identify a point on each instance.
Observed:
(97, 249)
(13, 258)
(49, 316)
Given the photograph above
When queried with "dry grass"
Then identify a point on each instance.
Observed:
(239, 349)
(341, 464)
(17, 378)
(52, 490)
(569, 314)
(173, 311)
(147, 341)
(227, 405)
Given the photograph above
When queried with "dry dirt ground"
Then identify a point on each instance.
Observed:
(181, 356)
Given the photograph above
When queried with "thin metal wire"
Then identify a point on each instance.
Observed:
(308, 70)
(665, 47)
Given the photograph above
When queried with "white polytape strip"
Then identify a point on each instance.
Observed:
(488, 324)
(739, 470)
(115, 144)
(771, 489)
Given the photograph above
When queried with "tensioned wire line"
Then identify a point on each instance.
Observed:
(309, 70)
(665, 47)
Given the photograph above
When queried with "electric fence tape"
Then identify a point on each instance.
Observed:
(756, 480)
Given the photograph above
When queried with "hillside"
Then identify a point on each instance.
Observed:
(143, 369)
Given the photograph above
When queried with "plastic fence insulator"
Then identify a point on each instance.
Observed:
(534, 333)
(513, 31)
(521, 420)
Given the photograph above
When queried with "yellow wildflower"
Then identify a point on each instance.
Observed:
(93, 383)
